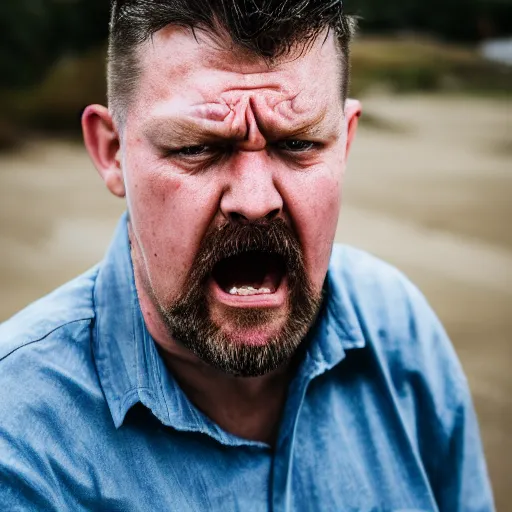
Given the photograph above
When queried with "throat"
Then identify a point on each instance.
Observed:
(249, 408)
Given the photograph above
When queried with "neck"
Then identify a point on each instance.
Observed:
(246, 407)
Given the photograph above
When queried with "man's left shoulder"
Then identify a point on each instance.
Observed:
(365, 276)
(374, 286)
(409, 362)
(403, 336)
(399, 326)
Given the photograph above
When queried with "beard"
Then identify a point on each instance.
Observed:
(189, 320)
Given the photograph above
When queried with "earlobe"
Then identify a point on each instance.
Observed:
(103, 145)
(353, 111)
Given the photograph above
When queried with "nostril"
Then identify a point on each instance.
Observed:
(272, 215)
(238, 217)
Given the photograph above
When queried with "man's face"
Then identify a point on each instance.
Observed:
(219, 141)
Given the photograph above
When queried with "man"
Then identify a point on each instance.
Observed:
(223, 356)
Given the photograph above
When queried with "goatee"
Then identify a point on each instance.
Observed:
(189, 319)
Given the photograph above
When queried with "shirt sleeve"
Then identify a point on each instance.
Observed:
(27, 479)
(23, 491)
(463, 483)
(448, 432)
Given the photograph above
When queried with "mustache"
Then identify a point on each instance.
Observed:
(231, 239)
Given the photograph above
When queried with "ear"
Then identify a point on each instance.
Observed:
(103, 145)
(353, 110)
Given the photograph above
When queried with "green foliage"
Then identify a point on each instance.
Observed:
(453, 20)
(411, 64)
(35, 33)
(55, 105)
(23, 24)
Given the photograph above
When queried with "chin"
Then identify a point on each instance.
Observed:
(252, 328)
(252, 337)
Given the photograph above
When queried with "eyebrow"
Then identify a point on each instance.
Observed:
(181, 130)
(198, 123)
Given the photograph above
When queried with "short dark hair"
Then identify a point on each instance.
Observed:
(267, 28)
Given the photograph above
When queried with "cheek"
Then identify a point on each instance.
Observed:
(314, 208)
(170, 213)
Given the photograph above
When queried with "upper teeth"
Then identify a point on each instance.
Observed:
(248, 290)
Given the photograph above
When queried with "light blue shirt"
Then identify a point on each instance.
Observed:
(378, 416)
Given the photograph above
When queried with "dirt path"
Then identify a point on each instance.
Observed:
(432, 195)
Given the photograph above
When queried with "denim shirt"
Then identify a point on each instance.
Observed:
(378, 416)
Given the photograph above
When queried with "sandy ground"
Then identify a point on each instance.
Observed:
(431, 193)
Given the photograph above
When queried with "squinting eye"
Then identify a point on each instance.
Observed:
(192, 150)
(296, 145)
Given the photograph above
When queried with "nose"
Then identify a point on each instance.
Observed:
(251, 194)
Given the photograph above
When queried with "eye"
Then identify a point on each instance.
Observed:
(199, 156)
(192, 151)
(199, 151)
(296, 146)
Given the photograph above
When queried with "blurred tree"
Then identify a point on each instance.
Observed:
(456, 20)
(23, 26)
(35, 33)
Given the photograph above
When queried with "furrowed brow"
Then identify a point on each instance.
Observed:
(284, 120)
(320, 127)
(204, 123)
(183, 132)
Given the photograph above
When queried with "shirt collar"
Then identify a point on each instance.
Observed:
(131, 370)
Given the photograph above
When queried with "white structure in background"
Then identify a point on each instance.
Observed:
(498, 50)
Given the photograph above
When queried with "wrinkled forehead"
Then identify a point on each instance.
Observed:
(203, 66)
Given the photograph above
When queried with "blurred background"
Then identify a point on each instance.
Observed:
(429, 185)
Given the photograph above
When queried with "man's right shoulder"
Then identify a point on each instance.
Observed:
(48, 390)
(55, 314)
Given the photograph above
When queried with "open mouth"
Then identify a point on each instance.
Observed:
(250, 273)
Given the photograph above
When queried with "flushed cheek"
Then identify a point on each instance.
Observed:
(170, 216)
(315, 216)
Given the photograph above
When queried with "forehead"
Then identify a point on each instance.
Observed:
(199, 67)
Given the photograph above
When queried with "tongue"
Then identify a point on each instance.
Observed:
(249, 273)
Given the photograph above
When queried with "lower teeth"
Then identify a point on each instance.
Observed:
(249, 290)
